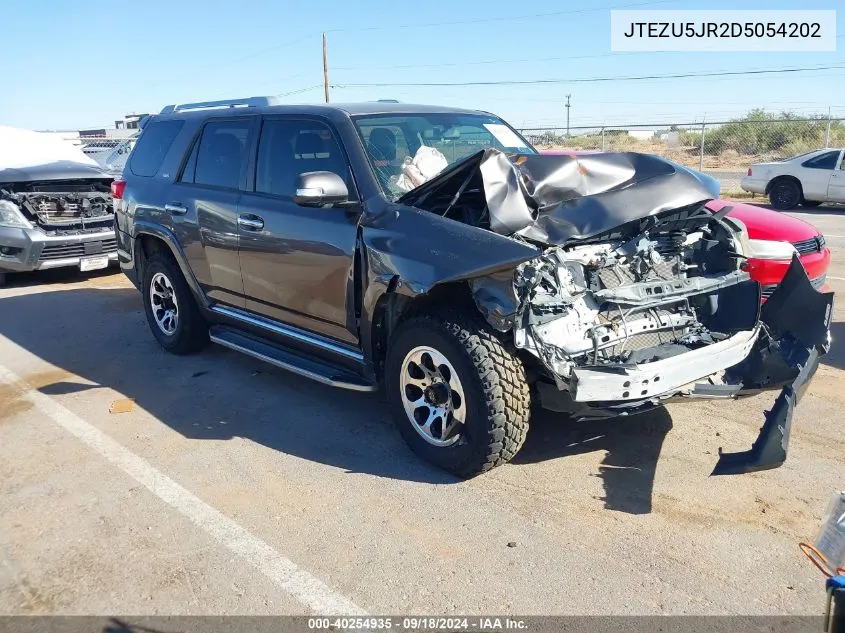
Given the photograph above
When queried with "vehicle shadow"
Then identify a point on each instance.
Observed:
(100, 336)
(56, 276)
(632, 446)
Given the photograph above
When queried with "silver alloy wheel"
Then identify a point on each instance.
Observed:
(164, 304)
(433, 396)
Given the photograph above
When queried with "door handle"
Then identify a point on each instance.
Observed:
(250, 222)
(175, 208)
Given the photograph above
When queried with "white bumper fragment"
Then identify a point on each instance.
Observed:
(664, 376)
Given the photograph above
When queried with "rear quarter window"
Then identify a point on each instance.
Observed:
(152, 147)
(823, 161)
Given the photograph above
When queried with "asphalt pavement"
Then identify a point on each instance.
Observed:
(229, 487)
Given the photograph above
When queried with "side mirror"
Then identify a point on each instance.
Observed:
(320, 187)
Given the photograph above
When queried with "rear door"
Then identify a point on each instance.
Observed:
(815, 174)
(297, 261)
(836, 187)
(209, 189)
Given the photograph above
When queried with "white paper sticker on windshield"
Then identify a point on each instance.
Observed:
(505, 135)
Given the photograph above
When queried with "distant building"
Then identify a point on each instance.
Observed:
(124, 128)
(642, 135)
(130, 122)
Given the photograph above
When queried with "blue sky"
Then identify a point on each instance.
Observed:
(85, 64)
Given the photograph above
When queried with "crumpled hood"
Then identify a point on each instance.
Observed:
(555, 199)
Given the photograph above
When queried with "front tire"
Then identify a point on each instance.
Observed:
(172, 312)
(785, 194)
(459, 397)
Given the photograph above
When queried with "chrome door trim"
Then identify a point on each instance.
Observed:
(289, 331)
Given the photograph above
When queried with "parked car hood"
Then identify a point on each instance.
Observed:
(554, 199)
(26, 155)
(765, 224)
(58, 170)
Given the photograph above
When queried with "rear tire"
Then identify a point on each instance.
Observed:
(785, 194)
(489, 416)
(172, 312)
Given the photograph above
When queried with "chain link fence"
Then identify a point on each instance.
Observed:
(110, 153)
(723, 149)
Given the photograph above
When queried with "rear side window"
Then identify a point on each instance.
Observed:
(221, 154)
(152, 147)
(823, 161)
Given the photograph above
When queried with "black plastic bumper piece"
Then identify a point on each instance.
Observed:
(797, 319)
(770, 447)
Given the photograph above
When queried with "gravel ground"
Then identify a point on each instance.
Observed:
(226, 473)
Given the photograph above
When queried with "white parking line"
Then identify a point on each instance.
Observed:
(304, 587)
(836, 278)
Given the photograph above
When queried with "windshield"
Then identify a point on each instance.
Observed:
(405, 150)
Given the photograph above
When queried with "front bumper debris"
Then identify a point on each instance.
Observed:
(797, 320)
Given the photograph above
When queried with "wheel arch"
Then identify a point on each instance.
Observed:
(394, 307)
(782, 177)
(150, 240)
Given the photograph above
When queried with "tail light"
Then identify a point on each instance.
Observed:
(117, 187)
(749, 172)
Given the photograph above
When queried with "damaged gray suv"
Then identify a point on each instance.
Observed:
(435, 252)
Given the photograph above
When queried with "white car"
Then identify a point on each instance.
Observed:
(808, 179)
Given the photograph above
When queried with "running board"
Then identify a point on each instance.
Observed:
(288, 360)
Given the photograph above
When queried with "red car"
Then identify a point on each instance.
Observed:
(770, 231)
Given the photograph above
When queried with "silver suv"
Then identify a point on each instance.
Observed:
(55, 206)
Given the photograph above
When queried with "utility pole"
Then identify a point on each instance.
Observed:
(567, 114)
(325, 69)
(827, 131)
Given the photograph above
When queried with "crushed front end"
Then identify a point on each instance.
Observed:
(639, 296)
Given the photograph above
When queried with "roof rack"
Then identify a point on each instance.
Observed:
(387, 101)
(248, 102)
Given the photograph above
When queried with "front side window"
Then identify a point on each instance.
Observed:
(221, 153)
(822, 161)
(290, 147)
(405, 150)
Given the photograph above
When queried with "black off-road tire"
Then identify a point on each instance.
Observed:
(191, 333)
(497, 395)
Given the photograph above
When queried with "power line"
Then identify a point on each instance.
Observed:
(316, 34)
(509, 18)
(679, 124)
(299, 90)
(520, 82)
(498, 61)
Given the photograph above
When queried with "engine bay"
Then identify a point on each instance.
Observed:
(652, 290)
(63, 207)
